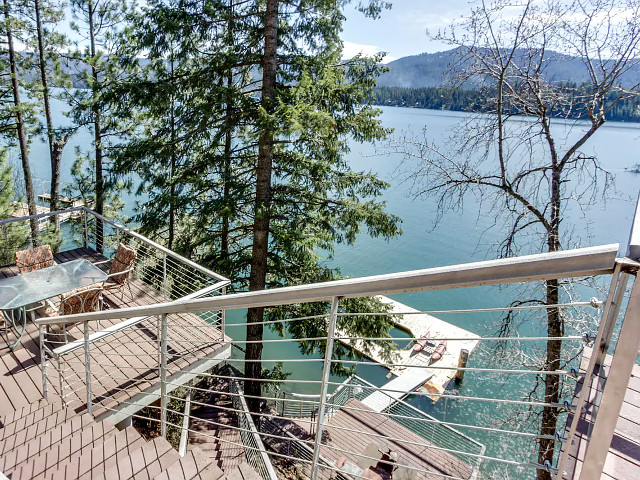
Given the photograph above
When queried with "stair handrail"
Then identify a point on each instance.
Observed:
(265, 468)
(579, 262)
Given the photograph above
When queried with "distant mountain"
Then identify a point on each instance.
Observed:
(430, 70)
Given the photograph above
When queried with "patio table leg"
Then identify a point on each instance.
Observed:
(22, 314)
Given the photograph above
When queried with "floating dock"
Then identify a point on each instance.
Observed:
(21, 209)
(409, 369)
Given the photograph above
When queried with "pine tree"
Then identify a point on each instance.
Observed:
(14, 235)
(47, 45)
(257, 113)
(306, 196)
(97, 23)
(192, 105)
(20, 112)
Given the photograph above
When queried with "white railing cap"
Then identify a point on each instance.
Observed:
(579, 262)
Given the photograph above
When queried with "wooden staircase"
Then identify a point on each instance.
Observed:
(46, 441)
(214, 428)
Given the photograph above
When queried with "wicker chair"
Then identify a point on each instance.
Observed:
(31, 260)
(34, 259)
(120, 270)
(81, 300)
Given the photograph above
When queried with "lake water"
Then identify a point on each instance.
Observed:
(460, 237)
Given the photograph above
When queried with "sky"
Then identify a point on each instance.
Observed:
(401, 31)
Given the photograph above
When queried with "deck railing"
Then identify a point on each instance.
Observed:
(169, 274)
(406, 431)
(159, 274)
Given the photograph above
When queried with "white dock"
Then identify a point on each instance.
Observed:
(21, 209)
(409, 369)
(399, 387)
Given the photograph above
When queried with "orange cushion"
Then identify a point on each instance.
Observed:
(81, 300)
(34, 259)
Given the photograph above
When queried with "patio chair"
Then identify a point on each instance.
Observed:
(34, 259)
(82, 300)
(120, 270)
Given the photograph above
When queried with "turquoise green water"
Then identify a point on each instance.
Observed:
(460, 237)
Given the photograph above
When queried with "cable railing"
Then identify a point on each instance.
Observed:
(432, 423)
(256, 454)
(158, 275)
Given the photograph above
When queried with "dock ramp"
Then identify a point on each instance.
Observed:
(397, 389)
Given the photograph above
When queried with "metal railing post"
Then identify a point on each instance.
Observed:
(164, 275)
(5, 234)
(589, 373)
(326, 370)
(184, 435)
(601, 353)
(223, 315)
(87, 368)
(117, 237)
(614, 391)
(163, 376)
(86, 231)
(61, 382)
(43, 364)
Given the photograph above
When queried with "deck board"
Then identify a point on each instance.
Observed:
(623, 459)
(122, 365)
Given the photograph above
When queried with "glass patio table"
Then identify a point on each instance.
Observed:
(19, 293)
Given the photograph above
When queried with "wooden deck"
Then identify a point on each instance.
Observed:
(373, 426)
(124, 366)
(623, 460)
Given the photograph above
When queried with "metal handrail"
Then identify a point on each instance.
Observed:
(262, 463)
(120, 227)
(157, 246)
(579, 262)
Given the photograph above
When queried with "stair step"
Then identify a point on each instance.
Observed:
(145, 463)
(195, 465)
(244, 471)
(36, 466)
(100, 458)
(9, 417)
(26, 416)
(43, 441)
(50, 428)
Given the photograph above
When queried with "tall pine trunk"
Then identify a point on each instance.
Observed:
(228, 138)
(555, 328)
(172, 185)
(55, 150)
(22, 137)
(97, 133)
(258, 275)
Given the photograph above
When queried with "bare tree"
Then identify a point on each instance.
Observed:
(511, 158)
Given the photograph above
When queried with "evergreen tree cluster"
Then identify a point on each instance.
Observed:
(231, 117)
(456, 99)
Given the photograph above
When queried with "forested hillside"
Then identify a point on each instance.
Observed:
(434, 70)
(461, 100)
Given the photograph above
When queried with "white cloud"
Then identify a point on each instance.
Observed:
(351, 49)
